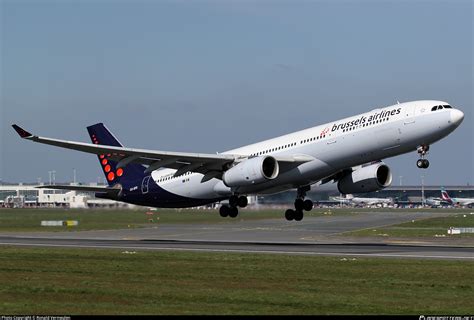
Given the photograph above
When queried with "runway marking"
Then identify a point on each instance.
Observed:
(244, 251)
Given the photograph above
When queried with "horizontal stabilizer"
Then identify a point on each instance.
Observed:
(82, 188)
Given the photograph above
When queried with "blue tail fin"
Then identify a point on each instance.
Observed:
(132, 172)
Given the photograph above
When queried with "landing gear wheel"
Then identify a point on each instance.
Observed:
(422, 163)
(419, 163)
(242, 201)
(233, 201)
(290, 214)
(299, 204)
(298, 215)
(307, 205)
(233, 212)
(426, 163)
(224, 211)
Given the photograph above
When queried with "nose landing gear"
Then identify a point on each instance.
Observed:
(300, 205)
(422, 151)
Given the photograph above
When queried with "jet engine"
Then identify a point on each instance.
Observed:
(366, 179)
(251, 171)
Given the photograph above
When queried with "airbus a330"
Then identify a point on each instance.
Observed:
(347, 151)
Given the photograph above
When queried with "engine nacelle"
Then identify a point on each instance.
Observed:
(251, 171)
(366, 179)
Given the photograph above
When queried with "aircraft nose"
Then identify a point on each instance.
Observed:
(456, 116)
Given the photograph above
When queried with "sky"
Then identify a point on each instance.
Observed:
(209, 76)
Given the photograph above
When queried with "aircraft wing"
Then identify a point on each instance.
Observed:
(209, 164)
(153, 158)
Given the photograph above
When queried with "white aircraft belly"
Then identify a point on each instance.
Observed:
(189, 186)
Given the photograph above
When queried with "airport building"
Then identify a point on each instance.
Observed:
(25, 195)
(20, 196)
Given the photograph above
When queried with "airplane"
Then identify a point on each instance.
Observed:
(435, 202)
(347, 151)
(350, 199)
(468, 202)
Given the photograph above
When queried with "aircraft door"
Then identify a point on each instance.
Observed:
(145, 182)
(409, 115)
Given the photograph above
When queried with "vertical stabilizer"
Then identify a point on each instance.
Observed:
(99, 134)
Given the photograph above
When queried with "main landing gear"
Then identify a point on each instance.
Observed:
(231, 210)
(300, 205)
(423, 163)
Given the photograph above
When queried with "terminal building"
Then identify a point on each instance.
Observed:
(21, 196)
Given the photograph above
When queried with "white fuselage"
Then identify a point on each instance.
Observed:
(363, 201)
(345, 143)
(463, 201)
(371, 201)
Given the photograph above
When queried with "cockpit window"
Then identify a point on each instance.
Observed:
(445, 106)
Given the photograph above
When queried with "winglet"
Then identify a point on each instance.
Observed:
(22, 132)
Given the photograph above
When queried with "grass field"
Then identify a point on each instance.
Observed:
(87, 281)
(432, 227)
(103, 219)
(29, 220)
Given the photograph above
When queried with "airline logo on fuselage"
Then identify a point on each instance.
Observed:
(364, 119)
(323, 133)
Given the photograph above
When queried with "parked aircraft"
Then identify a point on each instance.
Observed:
(435, 202)
(360, 201)
(456, 201)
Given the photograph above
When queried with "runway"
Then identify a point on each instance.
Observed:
(312, 236)
(346, 249)
(311, 229)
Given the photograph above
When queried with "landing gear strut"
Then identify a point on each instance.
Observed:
(231, 210)
(300, 205)
(422, 151)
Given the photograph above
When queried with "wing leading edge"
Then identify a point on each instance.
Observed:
(211, 165)
(155, 159)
